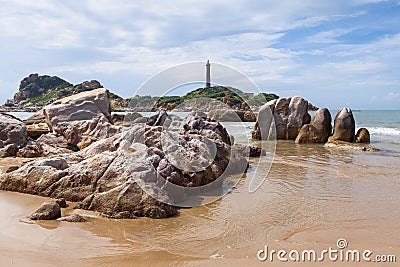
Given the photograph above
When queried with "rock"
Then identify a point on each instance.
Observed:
(29, 151)
(322, 121)
(230, 115)
(133, 117)
(83, 106)
(222, 115)
(62, 202)
(49, 210)
(75, 218)
(362, 136)
(117, 119)
(84, 132)
(349, 146)
(344, 126)
(8, 151)
(105, 176)
(51, 145)
(12, 131)
(308, 135)
(36, 130)
(289, 114)
(318, 131)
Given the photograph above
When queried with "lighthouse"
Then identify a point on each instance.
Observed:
(208, 75)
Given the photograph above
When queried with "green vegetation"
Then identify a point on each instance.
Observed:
(231, 96)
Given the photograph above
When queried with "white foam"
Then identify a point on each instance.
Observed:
(384, 131)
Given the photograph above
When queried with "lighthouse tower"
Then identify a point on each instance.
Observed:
(208, 75)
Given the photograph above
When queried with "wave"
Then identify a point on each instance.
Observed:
(384, 131)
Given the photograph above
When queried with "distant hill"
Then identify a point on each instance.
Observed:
(36, 91)
(232, 97)
(40, 90)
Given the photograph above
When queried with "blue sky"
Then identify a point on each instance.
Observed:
(334, 53)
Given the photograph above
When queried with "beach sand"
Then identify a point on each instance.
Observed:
(312, 197)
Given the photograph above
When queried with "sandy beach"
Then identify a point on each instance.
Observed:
(312, 197)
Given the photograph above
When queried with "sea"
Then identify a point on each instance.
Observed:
(311, 198)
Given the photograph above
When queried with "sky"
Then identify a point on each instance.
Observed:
(338, 53)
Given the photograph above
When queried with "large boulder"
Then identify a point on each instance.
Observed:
(362, 136)
(12, 131)
(83, 106)
(319, 129)
(289, 114)
(344, 126)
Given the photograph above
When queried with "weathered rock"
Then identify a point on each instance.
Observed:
(74, 218)
(12, 131)
(36, 130)
(49, 210)
(62, 203)
(349, 146)
(322, 121)
(318, 131)
(105, 176)
(308, 135)
(289, 115)
(8, 151)
(83, 106)
(84, 132)
(231, 115)
(29, 151)
(362, 136)
(344, 126)
(51, 145)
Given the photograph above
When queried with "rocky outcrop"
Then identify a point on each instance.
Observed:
(49, 210)
(362, 136)
(12, 131)
(108, 175)
(289, 115)
(344, 126)
(10, 150)
(79, 107)
(319, 129)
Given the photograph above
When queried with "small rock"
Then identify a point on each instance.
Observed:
(362, 136)
(49, 210)
(8, 151)
(72, 218)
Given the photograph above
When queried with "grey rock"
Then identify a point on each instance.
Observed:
(49, 210)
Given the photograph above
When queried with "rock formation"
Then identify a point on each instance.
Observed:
(289, 114)
(344, 126)
(13, 134)
(319, 129)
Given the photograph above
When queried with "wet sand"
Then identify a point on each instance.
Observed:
(312, 197)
